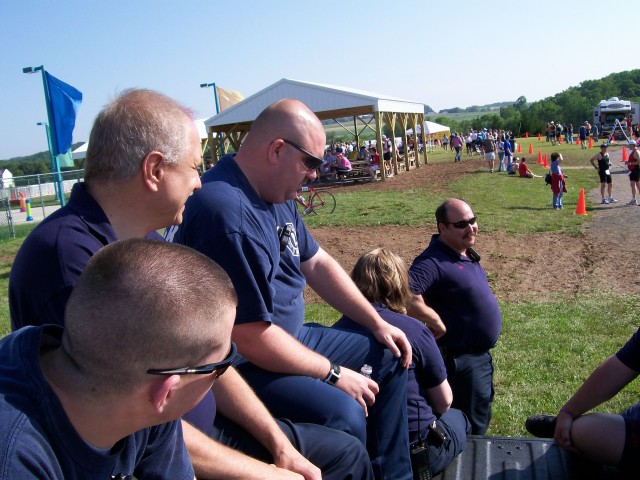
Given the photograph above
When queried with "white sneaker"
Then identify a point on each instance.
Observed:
(605, 201)
(633, 202)
(612, 200)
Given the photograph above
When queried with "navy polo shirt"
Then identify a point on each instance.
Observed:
(457, 288)
(229, 222)
(52, 258)
(426, 371)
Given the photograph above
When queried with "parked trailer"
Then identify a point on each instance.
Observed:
(607, 112)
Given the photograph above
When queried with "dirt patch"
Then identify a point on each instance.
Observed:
(601, 258)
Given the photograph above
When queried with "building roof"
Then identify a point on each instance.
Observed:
(326, 101)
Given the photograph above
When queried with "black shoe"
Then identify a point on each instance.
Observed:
(541, 425)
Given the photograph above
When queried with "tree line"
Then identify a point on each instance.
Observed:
(37, 163)
(574, 105)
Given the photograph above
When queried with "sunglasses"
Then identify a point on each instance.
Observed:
(463, 223)
(310, 161)
(218, 367)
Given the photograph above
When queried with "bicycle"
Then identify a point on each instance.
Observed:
(319, 202)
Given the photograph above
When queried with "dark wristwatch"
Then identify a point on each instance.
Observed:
(334, 375)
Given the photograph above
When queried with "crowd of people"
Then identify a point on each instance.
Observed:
(188, 355)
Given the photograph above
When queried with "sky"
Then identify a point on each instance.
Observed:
(453, 53)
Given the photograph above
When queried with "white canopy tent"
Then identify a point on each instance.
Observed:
(431, 128)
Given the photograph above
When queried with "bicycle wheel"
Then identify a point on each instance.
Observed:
(322, 202)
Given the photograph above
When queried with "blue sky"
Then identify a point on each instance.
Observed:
(445, 54)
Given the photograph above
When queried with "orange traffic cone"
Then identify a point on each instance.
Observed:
(581, 208)
(531, 149)
(539, 157)
(544, 160)
(625, 156)
(526, 134)
(539, 137)
(590, 142)
(519, 148)
(560, 139)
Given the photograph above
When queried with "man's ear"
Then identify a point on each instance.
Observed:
(161, 391)
(274, 151)
(153, 170)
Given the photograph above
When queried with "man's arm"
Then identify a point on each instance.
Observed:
(419, 310)
(273, 349)
(211, 459)
(440, 397)
(593, 161)
(333, 284)
(605, 382)
(236, 401)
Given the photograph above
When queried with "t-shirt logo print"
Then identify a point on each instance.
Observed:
(292, 245)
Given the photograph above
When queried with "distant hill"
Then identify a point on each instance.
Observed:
(31, 164)
(492, 107)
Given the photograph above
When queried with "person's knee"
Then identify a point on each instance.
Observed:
(348, 416)
(607, 445)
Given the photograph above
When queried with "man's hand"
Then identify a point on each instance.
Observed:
(395, 340)
(291, 460)
(563, 431)
(356, 385)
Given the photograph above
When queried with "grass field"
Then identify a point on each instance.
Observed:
(546, 349)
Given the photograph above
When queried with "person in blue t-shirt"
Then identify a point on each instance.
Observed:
(141, 346)
(245, 218)
(603, 437)
(383, 279)
(453, 297)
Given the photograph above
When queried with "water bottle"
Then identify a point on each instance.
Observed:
(366, 370)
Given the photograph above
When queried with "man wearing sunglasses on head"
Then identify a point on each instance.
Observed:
(306, 373)
(453, 298)
(101, 398)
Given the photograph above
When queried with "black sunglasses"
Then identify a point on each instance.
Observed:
(219, 367)
(310, 162)
(463, 223)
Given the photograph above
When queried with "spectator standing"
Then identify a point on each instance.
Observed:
(456, 144)
(500, 149)
(602, 164)
(594, 132)
(445, 142)
(452, 296)
(582, 135)
(246, 219)
(633, 164)
(383, 279)
(489, 149)
(508, 153)
(558, 184)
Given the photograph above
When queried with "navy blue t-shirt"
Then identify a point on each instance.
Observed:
(426, 371)
(457, 288)
(629, 354)
(37, 440)
(228, 221)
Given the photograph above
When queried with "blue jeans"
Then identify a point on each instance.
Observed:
(305, 399)
(338, 455)
(557, 200)
(471, 379)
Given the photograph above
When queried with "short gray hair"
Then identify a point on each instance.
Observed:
(131, 126)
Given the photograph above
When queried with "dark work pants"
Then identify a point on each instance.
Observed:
(338, 455)
(305, 399)
(456, 427)
(471, 378)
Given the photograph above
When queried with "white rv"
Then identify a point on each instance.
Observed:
(607, 112)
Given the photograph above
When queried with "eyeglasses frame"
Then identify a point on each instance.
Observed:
(207, 369)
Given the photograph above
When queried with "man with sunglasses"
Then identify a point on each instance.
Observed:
(102, 398)
(136, 183)
(453, 298)
(245, 218)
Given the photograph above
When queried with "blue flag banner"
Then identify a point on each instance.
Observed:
(65, 101)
